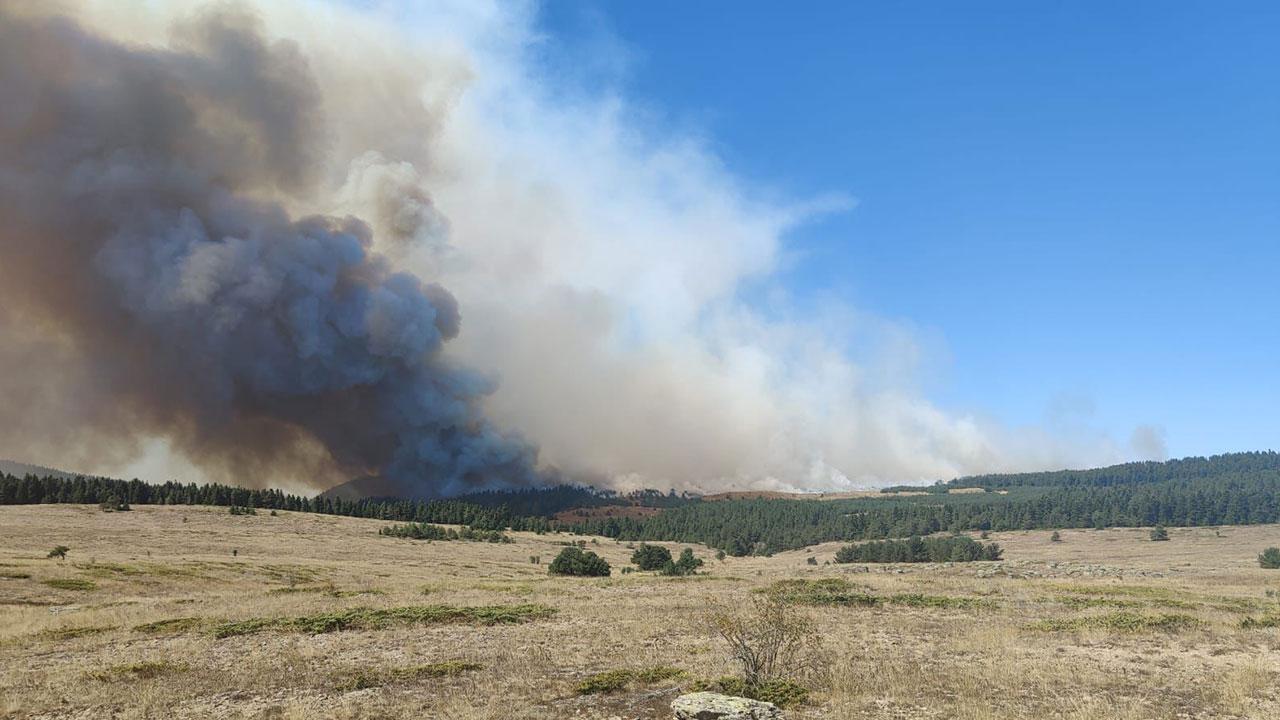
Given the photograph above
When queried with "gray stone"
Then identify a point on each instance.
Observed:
(714, 706)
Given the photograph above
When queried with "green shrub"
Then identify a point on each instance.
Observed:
(1270, 558)
(59, 552)
(578, 562)
(783, 693)
(651, 557)
(1158, 533)
(1055, 537)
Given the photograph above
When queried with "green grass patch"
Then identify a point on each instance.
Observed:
(363, 679)
(146, 670)
(941, 601)
(107, 570)
(842, 593)
(70, 584)
(378, 619)
(1266, 621)
(9, 575)
(1084, 602)
(1122, 621)
(171, 626)
(328, 590)
(615, 680)
(75, 632)
(827, 591)
(783, 693)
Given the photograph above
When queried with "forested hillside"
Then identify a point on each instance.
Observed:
(1232, 489)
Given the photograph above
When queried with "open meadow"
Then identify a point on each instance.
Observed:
(191, 612)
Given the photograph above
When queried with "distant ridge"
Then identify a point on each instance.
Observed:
(18, 469)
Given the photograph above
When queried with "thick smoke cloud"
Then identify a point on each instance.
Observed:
(141, 228)
(183, 294)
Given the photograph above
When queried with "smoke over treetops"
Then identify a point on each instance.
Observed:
(295, 246)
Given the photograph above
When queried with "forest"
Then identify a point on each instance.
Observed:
(1234, 489)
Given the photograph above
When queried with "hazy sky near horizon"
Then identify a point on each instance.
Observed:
(1074, 204)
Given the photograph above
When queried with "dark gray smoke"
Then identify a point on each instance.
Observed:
(152, 281)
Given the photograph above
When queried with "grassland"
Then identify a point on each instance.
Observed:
(192, 613)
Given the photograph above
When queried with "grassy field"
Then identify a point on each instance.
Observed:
(193, 613)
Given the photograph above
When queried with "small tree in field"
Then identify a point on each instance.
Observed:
(1158, 533)
(1270, 559)
(59, 552)
(1055, 537)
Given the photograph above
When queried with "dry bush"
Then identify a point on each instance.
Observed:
(768, 637)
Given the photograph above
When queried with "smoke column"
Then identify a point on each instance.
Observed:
(141, 231)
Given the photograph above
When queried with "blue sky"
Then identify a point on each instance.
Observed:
(1076, 201)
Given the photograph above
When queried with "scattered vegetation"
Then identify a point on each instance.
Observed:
(170, 626)
(75, 632)
(615, 680)
(241, 510)
(427, 531)
(377, 619)
(1122, 621)
(369, 678)
(145, 670)
(70, 584)
(576, 561)
(955, 548)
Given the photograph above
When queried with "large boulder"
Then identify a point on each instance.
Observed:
(714, 706)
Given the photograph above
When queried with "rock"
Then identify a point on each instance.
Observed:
(714, 706)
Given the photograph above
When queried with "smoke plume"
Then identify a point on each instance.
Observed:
(141, 232)
(227, 230)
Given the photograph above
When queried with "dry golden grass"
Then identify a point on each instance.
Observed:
(138, 640)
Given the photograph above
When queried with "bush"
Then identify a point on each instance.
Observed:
(1158, 533)
(578, 562)
(1055, 537)
(767, 637)
(1270, 559)
(114, 504)
(239, 510)
(651, 557)
(959, 548)
(812, 560)
(60, 552)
